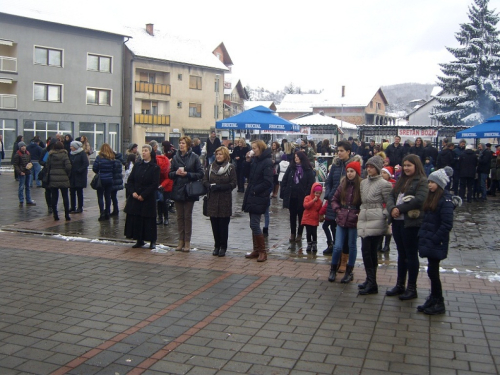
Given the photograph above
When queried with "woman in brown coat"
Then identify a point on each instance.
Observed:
(220, 180)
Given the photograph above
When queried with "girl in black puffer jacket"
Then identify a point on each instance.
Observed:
(59, 170)
(106, 166)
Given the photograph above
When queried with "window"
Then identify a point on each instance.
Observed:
(379, 106)
(216, 112)
(8, 132)
(46, 129)
(179, 77)
(94, 133)
(98, 96)
(48, 56)
(194, 110)
(195, 82)
(216, 87)
(148, 77)
(149, 108)
(179, 104)
(47, 92)
(99, 63)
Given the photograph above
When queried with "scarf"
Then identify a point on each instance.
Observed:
(77, 151)
(299, 173)
(222, 170)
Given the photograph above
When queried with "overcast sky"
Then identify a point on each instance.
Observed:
(315, 44)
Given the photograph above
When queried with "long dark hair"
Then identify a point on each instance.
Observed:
(356, 196)
(304, 161)
(404, 180)
(432, 199)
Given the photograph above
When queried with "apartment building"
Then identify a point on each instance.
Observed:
(173, 86)
(59, 78)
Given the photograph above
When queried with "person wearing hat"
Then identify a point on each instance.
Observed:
(78, 176)
(467, 166)
(22, 166)
(483, 167)
(434, 235)
(345, 203)
(372, 220)
(405, 209)
(310, 219)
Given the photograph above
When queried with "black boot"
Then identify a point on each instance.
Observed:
(371, 285)
(410, 293)
(138, 244)
(348, 276)
(437, 308)
(152, 245)
(114, 213)
(363, 284)
(54, 212)
(159, 220)
(314, 247)
(309, 247)
(265, 232)
(67, 217)
(429, 301)
(333, 272)
(387, 243)
(397, 290)
(102, 217)
(222, 252)
(329, 249)
(216, 251)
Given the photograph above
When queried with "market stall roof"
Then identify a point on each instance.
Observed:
(488, 129)
(258, 118)
(318, 119)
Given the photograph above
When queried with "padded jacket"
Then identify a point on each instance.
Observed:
(260, 174)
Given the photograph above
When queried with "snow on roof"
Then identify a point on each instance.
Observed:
(255, 103)
(354, 96)
(317, 119)
(170, 47)
(297, 103)
(73, 18)
(232, 80)
(436, 90)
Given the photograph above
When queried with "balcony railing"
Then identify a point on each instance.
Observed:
(8, 64)
(8, 101)
(152, 119)
(152, 88)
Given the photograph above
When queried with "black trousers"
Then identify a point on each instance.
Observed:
(311, 233)
(220, 230)
(55, 198)
(296, 208)
(466, 182)
(74, 193)
(369, 247)
(433, 273)
(330, 228)
(48, 197)
(407, 243)
(240, 176)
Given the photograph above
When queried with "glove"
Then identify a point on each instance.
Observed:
(215, 187)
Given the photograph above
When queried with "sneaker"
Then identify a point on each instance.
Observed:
(31, 203)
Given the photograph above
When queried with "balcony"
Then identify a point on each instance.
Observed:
(8, 64)
(152, 88)
(8, 101)
(152, 119)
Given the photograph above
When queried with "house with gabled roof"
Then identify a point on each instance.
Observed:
(234, 96)
(172, 86)
(249, 104)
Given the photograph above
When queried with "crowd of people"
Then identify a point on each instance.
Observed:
(372, 191)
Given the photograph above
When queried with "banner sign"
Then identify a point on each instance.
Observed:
(417, 132)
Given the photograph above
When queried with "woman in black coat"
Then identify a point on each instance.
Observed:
(15, 148)
(78, 176)
(418, 149)
(140, 208)
(185, 167)
(259, 170)
(238, 155)
(295, 186)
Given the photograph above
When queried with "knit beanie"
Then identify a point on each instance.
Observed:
(21, 144)
(354, 165)
(389, 170)
(132, 146)
(441, 176)
(76, 144)
(318, 188)
(377, 162)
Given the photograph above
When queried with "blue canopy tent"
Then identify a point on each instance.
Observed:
(258, 118)
(488, 129)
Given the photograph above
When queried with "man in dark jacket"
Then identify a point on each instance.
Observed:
(22, 165)
(467, 167)
(483, 167)
(458, 151)
(431, 151)
(213, 143)
(446, 157)
(35, 152)
(395, 152)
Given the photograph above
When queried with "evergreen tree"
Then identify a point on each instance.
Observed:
(471, 86)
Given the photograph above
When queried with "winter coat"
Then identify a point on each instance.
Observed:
(419, 151)
(105, 168)
(20, 161)
(35, 151)
(468, 164)
(337, 171)
(290, 189)
(143, 180)
(59, 168)
(457, 152)
(212, 146)
(484, 162)
(428, 168)
(434, 233)
(191, 163)
(431, 152)
(311, 208)
(239, 152)
(495, 167)
(79, 170)
(260, 182)
(395, 154)
(164, 164)
(372, 218)
(118, 174)
(347, 214)
(446, 158)
(419, 189)
(220, 195)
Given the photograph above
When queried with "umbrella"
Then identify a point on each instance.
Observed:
(489, 129)
(258, 118)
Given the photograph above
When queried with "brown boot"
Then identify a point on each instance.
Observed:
(187, 247)
(275, 191)
(261, 243)
(343, 263)
(180, 245)
(255, 253)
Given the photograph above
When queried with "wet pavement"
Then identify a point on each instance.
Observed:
(75, 298)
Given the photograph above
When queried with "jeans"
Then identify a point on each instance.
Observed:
(433, 273)
(340, 235)
(482, 184)
(407, 244)
(114, 200)
(255, 224)
(296, 208)
(24, 184)
(267, 218)
(74, 193)
(105, 192)
(35, 170)
(220, 230)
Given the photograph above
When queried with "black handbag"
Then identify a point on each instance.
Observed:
(96, 182)
(195, 189)
(205, 205)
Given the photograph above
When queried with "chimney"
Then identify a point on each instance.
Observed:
(343, 91)
(150, 29)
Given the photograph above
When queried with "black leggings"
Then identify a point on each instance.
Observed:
(369, 247)
(55, 199)
(311, 233)
(329, 227)
(433, 273)
(296, 208)
(407, 243)
(74, 193)
(220, 230)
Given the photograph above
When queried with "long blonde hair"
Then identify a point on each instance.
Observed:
(106, 152)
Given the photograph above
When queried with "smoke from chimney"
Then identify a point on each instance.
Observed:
(150, 29)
